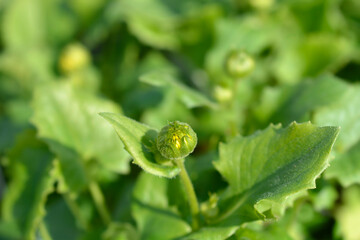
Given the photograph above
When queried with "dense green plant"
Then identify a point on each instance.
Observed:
(163, 119)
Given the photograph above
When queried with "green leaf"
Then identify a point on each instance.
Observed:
(347, 215)
(266, 168)
(325, 199)
(60, 221)
(299, 102)
(211, 233)
(319, 52)
(151, 21)
(69, 169)
(345, 113)
(36, 23)
(250, 33)
(27, 68)
(257, 231)
(346, 167)
(138, 140)
(187, 95)
(67, 116)
(30, 164)
(170, 108)
(154, 216)
(120, 231)
(9, 231)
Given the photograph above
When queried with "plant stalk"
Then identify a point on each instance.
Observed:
(190, 192)
(99, 200)
(234, 122)
(74, 208)
(44, 231)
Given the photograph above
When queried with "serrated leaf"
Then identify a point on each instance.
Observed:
(68, 116)
(138, 139)
(211, 233)
(190, 97)
(30, 164)
(264, 169)
(154, 216)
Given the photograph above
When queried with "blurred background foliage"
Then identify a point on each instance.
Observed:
(64, 61)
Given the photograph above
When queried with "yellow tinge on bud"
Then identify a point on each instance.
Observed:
(74, 57)
(176, 140)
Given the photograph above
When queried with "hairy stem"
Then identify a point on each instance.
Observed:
(189, 188)
(99, 200)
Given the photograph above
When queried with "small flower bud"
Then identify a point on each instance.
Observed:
(176, 140)
(239, 64)
(74, 57)
(223, 94)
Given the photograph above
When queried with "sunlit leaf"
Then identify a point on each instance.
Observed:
(264, 169)
(187, 95)
(138, 139)
(68, 116)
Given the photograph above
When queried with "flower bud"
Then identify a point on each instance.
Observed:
(223, 94)
(239, 64)
(176, 140)
(74, 57)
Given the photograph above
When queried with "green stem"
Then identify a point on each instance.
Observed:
(234, 122)
(189, 188)
(44, 231)
(70, 201)
(99, 200)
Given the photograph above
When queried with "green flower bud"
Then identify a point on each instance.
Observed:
(239, 64)
(176, 140)
(223, 94)
(74, 57)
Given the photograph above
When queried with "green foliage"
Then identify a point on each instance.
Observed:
(53, 102)
(262, 173)
(152, 211)
(139, 141)
(30, 163)
(89, 87)
(188, 96)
